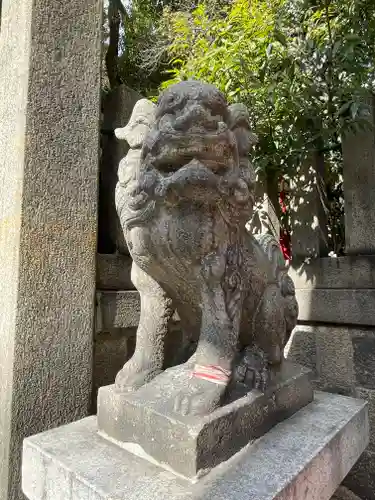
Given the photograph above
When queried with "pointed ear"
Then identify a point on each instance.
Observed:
(120, 133)
(140, 123)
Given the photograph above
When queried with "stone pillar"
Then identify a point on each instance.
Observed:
(308, 218)
(359, 182)
(49, 116)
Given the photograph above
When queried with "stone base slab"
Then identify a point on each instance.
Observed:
(193, 445)
(304, 457)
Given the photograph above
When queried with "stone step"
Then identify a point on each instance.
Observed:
(305, 457)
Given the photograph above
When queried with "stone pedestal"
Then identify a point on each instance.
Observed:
(192, 445)
(306, 456)
(49, 135)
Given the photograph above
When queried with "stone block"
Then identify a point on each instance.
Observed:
(361, 479)
(192, 444)
(351, 271)
(265, 219)
(301, 347)
(369, 396)
(308, 218)
(306, 456)
(345, 306)
(335, 360)
(117, 107)
(364, 356)
(113, 272)
(343, 493)
(49, 136)
(342, 357)
(117, 310)
(111, 350)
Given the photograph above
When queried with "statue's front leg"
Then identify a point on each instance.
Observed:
(156, 312)
(217, 344)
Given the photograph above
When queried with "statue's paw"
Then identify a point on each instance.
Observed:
(130, 378)
(199, 398)
(257, 378)
(254, 369)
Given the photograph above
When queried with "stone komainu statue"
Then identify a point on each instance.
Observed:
(184, 195)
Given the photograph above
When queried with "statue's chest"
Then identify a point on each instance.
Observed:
(187, 233)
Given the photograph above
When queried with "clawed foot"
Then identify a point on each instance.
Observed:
(253, 370)
(199, 398)
(133, 376)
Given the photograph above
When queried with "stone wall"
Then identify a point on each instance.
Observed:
(336, 331)
(336, 338)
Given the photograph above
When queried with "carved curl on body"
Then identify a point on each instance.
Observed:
(184, 195)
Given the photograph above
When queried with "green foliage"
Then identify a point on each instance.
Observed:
(301, 68)
(132, 53)
(128, 30)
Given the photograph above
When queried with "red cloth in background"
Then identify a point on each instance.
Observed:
(285, 244)
(282, 198)
(285, 241)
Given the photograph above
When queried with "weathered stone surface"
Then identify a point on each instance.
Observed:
(301, 347)
(308, 218)
(343, 493)
(342, 357)
(364, 356)
(361, 479)
(49, 115)
(351, 307)
(117, 310)
(185, 192)
(191, 445)
(351, 271)
(265, 218)
(305, 456)
(335, 363)
(111, 350)
(359, 178)
(113, 272)
(369, 396)
(117, 107)
(117, 318)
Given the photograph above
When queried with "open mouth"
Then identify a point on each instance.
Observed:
(172, 151)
